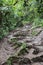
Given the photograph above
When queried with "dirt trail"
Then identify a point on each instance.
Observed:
(23, 35)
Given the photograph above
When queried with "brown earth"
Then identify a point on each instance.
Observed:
(34, 48)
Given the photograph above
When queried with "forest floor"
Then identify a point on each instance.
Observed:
(23, 46)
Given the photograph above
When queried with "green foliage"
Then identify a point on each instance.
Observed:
(9, 61)
(14, 13)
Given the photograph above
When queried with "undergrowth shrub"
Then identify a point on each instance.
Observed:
(15, 13)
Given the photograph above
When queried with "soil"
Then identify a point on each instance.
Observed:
(33, 55)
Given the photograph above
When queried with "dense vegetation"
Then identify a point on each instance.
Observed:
(15, 13)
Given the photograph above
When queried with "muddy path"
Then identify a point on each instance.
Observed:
(32, 41)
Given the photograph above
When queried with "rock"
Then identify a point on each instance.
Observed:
(37, 59)
(25, 61)
(36, 51)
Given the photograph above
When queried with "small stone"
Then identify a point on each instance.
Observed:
(36, 51)
(25, 61)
